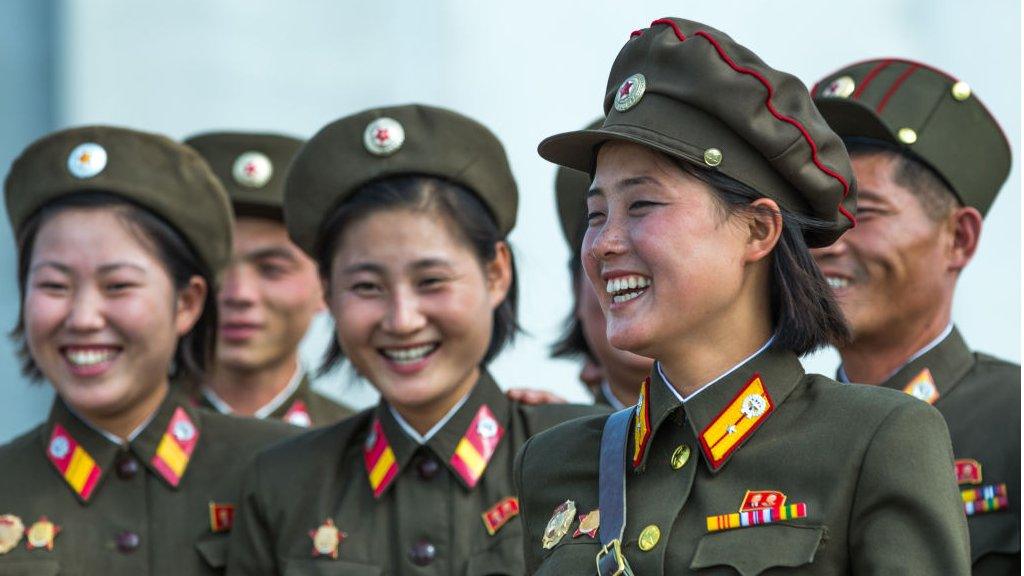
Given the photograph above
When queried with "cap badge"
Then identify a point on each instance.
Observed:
(383, 136)
(630, 92)
(961, 91)
(559, 524)
(841, 87)
(252, 169)
(87, 160)
(11, 531)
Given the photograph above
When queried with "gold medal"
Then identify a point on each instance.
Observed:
(11, 530)
(589, 523)
(559, 523)
(326, 539)
(41, 534)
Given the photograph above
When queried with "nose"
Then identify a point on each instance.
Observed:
(86, 314)
(834, 250)
(238, 288)
(606, 240)
(404, 315)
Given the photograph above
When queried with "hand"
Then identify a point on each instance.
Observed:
(534, 397)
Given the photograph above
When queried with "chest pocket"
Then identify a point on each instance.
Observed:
(326, 567)
(751, 551)
(29, 568)
(504, 557)
(568, 557)
(995, 533)
(213, 548)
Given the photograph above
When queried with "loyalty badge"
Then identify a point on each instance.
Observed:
(589, 523)
(327, 539)
(761, 499)
(498, 515)
(559, 524)
(42, 534)
(968, 471)
(11, 531)
(222, 517)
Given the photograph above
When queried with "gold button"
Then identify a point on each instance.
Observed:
(680, 456)
(961, 91)
(649, 537)
(907, 135)
(712, 156)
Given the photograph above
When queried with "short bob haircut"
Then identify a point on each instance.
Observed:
(195, 349)
(805, 313)
(572, 343)
(471, 221)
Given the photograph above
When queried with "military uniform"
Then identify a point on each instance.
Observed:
(764, 469)
(73, 499)
(299, 406)
(917, 110)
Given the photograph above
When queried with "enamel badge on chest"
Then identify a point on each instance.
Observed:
(559, 524)
(326, 539)
(630, 92)
(11, 531)
(42, 534)
(252, 169)
(383, 137)
(87, 160)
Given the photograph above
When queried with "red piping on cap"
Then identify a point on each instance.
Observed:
(636, 33)
(895, 86)
(673, 25)
(771, 108)
(869, 77)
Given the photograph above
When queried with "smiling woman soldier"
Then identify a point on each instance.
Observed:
(712, 174)
(120, 234)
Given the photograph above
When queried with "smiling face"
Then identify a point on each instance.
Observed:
(894, 267)
(414, 308)
(268, 297)
(102, 318)
(667, 264)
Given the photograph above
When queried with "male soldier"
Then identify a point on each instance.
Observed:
(269, 294)
(929, 160)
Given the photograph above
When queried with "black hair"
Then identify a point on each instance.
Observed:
(572, 343)
(195, 349)
(804, 310)
(472, 222)
(932, 190)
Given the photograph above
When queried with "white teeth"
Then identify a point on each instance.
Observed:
(407, 355)
(626, 297)
(837, 283)
(624, 283)
(88, 357)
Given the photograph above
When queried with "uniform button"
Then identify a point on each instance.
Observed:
(126, 466)
(649, 537)
(680, 456)
(422, 553)
(127, 542)
(427, 468)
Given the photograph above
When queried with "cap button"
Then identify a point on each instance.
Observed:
(961, 91)
(907, 135)
(712, 157)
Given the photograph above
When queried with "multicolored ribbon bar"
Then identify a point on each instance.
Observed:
(985, 499)
(756, 517)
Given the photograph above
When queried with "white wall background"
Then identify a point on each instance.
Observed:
(526, 69)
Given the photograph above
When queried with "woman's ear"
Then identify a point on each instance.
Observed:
(189, 304)
(764, 225)
(498, 273)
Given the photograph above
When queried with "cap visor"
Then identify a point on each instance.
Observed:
(851, 119)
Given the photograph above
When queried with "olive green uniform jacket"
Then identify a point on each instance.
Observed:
(428, 515)
(870, 467)
(304, 407)
(149, 508)
(980, 398)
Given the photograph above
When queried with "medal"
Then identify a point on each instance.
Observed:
(559, 523)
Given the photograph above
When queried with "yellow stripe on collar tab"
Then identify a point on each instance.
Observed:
(736, 422)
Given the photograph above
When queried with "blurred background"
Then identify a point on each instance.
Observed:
(526, 69)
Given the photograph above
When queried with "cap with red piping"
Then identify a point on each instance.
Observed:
(691, 92)
(932, 115)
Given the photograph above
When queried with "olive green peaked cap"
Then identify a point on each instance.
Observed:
(153, 171)
(571, 188)
(923, 111)
(252, 167)
(691, 92)
(384, 142)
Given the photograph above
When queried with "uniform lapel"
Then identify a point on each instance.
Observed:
(80, 455)
(936, 372)
(166, 445)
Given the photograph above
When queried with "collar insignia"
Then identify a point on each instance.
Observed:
(642, 423)
(75, 465)
(379, 458)
(298, 415)
(923, 387)
(736, 422)
(477, 446)
(175, 448)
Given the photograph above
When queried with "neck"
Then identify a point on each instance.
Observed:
(246, 391)
(874, 358)
(423, 417)
(124, 423)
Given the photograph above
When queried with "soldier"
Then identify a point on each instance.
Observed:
(406, 211)
(270, 292)
(120, 236)
(616, 374)
(713, 173)
(930, 160)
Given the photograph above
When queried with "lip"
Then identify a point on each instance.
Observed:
(408, 368)
(90, 370)
(239, 331)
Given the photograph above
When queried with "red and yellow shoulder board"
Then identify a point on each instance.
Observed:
(736, 422)
(968, 471)
(477, 445)
(642, 423)
(923, 387)
(379, 458)
(175, 448)
(75, 465)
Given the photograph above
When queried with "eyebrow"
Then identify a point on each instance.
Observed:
(104, 269)
(375, 268)
(270, 252)
(869, 194)
(624, 183)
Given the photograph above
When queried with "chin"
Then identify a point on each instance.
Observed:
(631, 341)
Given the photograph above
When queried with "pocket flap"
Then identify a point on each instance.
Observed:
(30, 568)
(503, 557)
(753, 550)
(328, 567)
(214, 549)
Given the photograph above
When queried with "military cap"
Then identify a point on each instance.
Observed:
(691, 92)
(931, 115)
(571, 188)
(384, 142)
(150, 170)
(251, 166)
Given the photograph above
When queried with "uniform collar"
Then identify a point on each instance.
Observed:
(465, 443)
(729, 411)
(167, 444)
(608, 397)
(935, 372)
(278, 405)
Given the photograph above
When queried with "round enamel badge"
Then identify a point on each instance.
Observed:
(87, 160)
(754, 405)
(383, 137)
(630, 92)
(11, 531)
(841, 87)
(252, 169)
(59, 447)
(184, 431)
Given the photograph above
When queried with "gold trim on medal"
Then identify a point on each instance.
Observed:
(559, 524)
